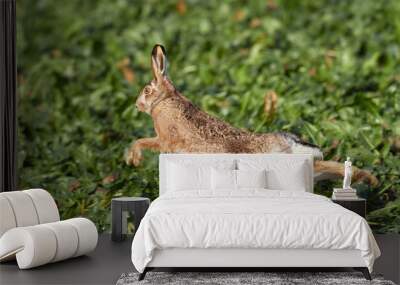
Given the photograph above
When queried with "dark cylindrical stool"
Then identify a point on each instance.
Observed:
(119, 209)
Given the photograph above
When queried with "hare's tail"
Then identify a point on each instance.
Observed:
(337, 169)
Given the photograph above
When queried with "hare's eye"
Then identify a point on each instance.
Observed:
(147, 90)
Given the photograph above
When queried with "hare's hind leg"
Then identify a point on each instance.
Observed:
(335, 168)
(134, 153)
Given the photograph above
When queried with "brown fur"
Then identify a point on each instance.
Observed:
(182, 127)
(336, 168)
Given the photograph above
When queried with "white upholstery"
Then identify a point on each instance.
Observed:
(251, 178)
(223, 179)
(87, 235)
(182, 178)
(31, 230)
(26, 208)
(255, 257)
(7, 218)
(67, 236)
(283, 162)
(23, 209)
(283, 172)
(45, 205)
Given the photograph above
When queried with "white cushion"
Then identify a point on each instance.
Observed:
(7, 218)
(23, 208)
(223, 179)
(26, 208)
(45, 205)
(251, 178)
(293, 180)
(183, 177)
(171, 177)
(87, 233)
(32, 246)
(67, 240)
(282, 174)
(258, 161)
(226, 179)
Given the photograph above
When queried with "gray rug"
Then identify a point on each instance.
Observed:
(233, 278)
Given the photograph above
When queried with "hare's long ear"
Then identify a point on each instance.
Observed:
(159, 62)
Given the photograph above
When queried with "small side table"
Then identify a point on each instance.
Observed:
(357, 205)
(119, 208)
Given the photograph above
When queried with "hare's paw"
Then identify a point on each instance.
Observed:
(127, 156)
(133, 156)
(136, 157)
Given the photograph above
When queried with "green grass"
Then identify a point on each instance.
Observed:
(335, 66)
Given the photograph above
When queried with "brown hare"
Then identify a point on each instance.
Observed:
(181, 127)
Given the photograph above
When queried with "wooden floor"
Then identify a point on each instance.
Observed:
(111, 259)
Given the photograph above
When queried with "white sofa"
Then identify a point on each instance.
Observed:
(31, 231)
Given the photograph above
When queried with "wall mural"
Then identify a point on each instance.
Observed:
(181, 127)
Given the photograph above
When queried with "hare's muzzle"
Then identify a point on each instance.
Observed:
(140, 106)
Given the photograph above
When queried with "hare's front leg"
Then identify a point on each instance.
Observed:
(134, 154)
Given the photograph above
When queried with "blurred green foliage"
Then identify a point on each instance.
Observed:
(335, 66)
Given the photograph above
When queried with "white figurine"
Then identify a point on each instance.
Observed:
(347, 174)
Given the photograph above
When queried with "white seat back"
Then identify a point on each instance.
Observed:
(26, 208)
